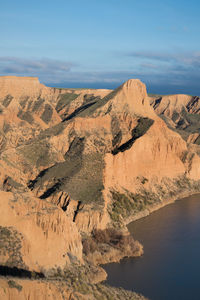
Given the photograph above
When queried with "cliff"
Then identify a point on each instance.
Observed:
(27, 107)
(77, 165)
(181, 113)
(36, 234)
(125, 156)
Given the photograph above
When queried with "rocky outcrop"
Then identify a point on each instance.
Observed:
(181, 113)
(27, 107)
(44, 235)
(77, 161)
(116, 144)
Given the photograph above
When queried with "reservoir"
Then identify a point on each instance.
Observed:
(170, 266)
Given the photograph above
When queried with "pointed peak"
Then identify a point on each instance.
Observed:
(132, 97)
(135, 85)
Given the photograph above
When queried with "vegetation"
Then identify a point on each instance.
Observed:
(185, 123)
(10, 244)
(105, 292)
(110, 237)
(92, 109)
(7, 100)
(26, 116)
(88, 98)
(37, 153)
(9, 183)
(6, 127)
(192, 121)
(126, 204)
(15, 285)
(37, 104)
(23, 101)
(65, 100)
(143, 125)
(88, 167)
(47, 113)
(116, 132)
(51, 131)
(80, 278)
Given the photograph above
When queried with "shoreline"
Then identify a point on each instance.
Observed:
(187, 196)
(147, 212)
(155, 207)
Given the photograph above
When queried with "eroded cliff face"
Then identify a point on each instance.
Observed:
(45, 236)
(27, 107)
(76, 162)
(105, 143)
(181, 113)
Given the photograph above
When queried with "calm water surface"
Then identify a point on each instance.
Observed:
(170, 266)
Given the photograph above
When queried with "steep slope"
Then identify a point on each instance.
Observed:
(70, 180)
(27, 107)
(181, 112)
(121, 158)
(24, 102)
(43, 237)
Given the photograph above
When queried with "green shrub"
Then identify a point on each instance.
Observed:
(15, 285)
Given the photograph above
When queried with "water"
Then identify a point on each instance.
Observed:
(170, 266)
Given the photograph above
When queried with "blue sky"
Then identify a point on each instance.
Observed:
(102, 43)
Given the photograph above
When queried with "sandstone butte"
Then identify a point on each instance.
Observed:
(76, 166)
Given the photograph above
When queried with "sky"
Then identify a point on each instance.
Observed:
(102, 43)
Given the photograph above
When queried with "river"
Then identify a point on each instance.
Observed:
(170, 266)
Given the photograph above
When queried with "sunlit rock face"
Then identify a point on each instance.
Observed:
(73, 161)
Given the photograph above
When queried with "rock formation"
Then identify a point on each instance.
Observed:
(181, 113)
(77, 165)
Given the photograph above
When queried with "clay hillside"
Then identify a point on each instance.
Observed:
(76, 166)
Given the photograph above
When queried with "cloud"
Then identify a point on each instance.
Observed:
(188, 59)
(152, 55)
(149, 66)
(173, 72)
(161, 72)
(33, 67)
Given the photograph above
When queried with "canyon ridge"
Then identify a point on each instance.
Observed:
(78, 165)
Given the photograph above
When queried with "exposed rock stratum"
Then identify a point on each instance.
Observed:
(76, 166)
